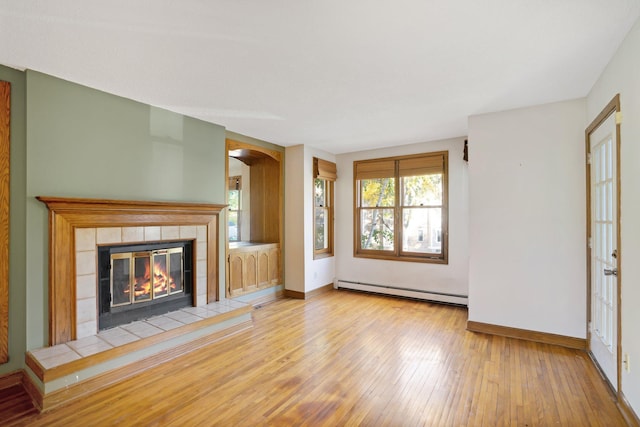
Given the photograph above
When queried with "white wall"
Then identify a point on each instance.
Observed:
(622, 75)
(527, 214)
(451, 278)
(302, 272)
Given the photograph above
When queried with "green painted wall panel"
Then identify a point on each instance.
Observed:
(85, 143)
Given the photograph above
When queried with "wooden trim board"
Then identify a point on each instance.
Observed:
(5, 144)
(627, 411)
(11, 379)
(306, 295)
(524, 334)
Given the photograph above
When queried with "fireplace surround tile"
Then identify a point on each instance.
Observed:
(170, 232)
(108, 235)
(152, 233)
(188, 232)
(86, 329)
(86, 286)
(86, 262)
(86, 310)
(85, 239)
(132, 234)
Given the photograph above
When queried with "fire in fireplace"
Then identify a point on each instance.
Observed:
(143, 280)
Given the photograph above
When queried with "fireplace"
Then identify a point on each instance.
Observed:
(78, 227)
(137, 281)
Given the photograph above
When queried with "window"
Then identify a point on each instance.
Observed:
(235, 187)
(324, 175)
(401, 208)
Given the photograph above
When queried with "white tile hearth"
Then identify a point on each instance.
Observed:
(164, 322)
(89, 345)
(117, 336)
(142, 329)
(183, 317)
(51, 357)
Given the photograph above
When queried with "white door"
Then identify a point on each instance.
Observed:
(603, 340)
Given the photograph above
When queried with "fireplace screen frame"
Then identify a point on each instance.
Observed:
(111, 315)
(146, 261)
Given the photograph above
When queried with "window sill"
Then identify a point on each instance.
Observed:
(405, 258)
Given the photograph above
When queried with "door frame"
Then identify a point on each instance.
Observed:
(5, 160)
(613, 107)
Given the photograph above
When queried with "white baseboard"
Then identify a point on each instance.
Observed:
(403, 292)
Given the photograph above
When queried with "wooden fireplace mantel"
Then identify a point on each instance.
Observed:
(67, 214)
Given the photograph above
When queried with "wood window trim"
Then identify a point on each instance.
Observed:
(327, 171)
(379, 168)
(5, 143)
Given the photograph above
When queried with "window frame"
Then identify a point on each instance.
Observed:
(397, 253)
(325, 171)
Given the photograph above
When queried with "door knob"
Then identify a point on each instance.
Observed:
(611, 272)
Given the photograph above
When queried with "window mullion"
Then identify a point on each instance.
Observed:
(397, 217)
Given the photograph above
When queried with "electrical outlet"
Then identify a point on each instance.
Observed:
(626, 362)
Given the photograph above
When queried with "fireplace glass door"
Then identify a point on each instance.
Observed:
(139, 281)
(144, 276)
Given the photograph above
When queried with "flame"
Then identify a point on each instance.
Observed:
(148, 284)
(161, 283)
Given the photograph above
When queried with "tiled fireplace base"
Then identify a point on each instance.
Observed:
(65, 371)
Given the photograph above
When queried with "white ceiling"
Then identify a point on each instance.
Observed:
(339, 75)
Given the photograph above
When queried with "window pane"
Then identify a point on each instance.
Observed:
(376, 229)
(422, 230)
(422, 190)
(234, 200)
(322, 228)
(233, 225)
(320, 193)
(377, 192)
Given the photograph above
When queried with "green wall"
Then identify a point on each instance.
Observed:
(17, 245)
(85, 143)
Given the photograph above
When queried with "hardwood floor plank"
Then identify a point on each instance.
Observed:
(346, 359)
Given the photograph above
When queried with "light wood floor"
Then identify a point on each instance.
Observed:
(345, 358)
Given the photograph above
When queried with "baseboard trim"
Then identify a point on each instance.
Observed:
(306, 295)
(524, 334)
(11, 379)
(33, 391)
(627, 411)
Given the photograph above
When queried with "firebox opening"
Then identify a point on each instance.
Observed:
(143, 280)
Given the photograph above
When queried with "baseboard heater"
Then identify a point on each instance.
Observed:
(443, 297)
